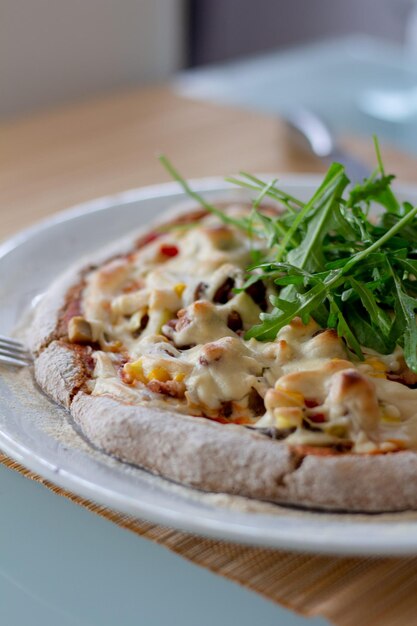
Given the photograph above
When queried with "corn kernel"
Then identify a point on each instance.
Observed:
(337, 430)
(179, 377)
(377, 364)
(159, 373)
(295, 397)
(134, 370)
(288, 417)
(379, 368)
(179, 289)
(390, 417)
(113, 346)
(282, 422)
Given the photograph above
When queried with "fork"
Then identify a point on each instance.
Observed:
(13, 352)
(320, 140)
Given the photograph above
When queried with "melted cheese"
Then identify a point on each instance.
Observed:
(226, 370)
(173, 312)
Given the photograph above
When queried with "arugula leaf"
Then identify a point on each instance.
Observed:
(285, 310)
(344, 330)
(365, 334)
(405, 309)
(377, 315)
(329, 260)
(374, 190)
(409, 265)
(242, 223)
(255, 183)
(309, 254)
(272, 229)
(335, 181)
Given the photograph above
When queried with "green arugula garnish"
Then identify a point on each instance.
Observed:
(329, 260)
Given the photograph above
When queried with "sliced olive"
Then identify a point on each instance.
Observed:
(143, 324)
(256, 403)
(257, 291)
(200, 291)
(234, 321)
(224, 293)
(226, 408)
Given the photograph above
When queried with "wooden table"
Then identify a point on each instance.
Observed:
(61, 157)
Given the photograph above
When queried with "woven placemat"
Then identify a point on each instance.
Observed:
(347, 591)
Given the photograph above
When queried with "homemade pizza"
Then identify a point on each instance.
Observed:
(266, 349)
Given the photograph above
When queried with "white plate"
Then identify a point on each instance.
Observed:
(36, 432)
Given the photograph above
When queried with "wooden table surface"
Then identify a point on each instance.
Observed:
(58, 158)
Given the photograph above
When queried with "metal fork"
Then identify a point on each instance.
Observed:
(320, 140)
(13, 352)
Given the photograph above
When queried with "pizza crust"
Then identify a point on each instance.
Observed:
(198, 452)
(348, 482)
(188, 450)
(217, 458)
(59, 372)
(43, 327)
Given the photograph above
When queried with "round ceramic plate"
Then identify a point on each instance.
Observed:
(38, 434)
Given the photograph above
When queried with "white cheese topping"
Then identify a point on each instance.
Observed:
(170, 320)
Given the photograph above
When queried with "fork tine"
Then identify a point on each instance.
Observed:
(8, 360)
(12, 342)
(15, 354)
(16, 349)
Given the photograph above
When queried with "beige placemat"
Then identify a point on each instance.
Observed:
(347, 591)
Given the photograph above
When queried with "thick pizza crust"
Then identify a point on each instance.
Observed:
(354, 482)
(59, 372)
(201, 453)
(188, 450)
(218, 458)
(43, 327)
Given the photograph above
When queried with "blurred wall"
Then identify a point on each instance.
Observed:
(54, 51)
(226, 29)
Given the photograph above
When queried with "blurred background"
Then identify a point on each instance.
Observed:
(352, 62)
(225, 29)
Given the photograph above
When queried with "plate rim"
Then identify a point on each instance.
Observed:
(202, 525)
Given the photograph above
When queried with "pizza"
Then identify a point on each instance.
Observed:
(189, 351)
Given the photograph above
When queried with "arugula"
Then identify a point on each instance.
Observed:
(330, 260)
